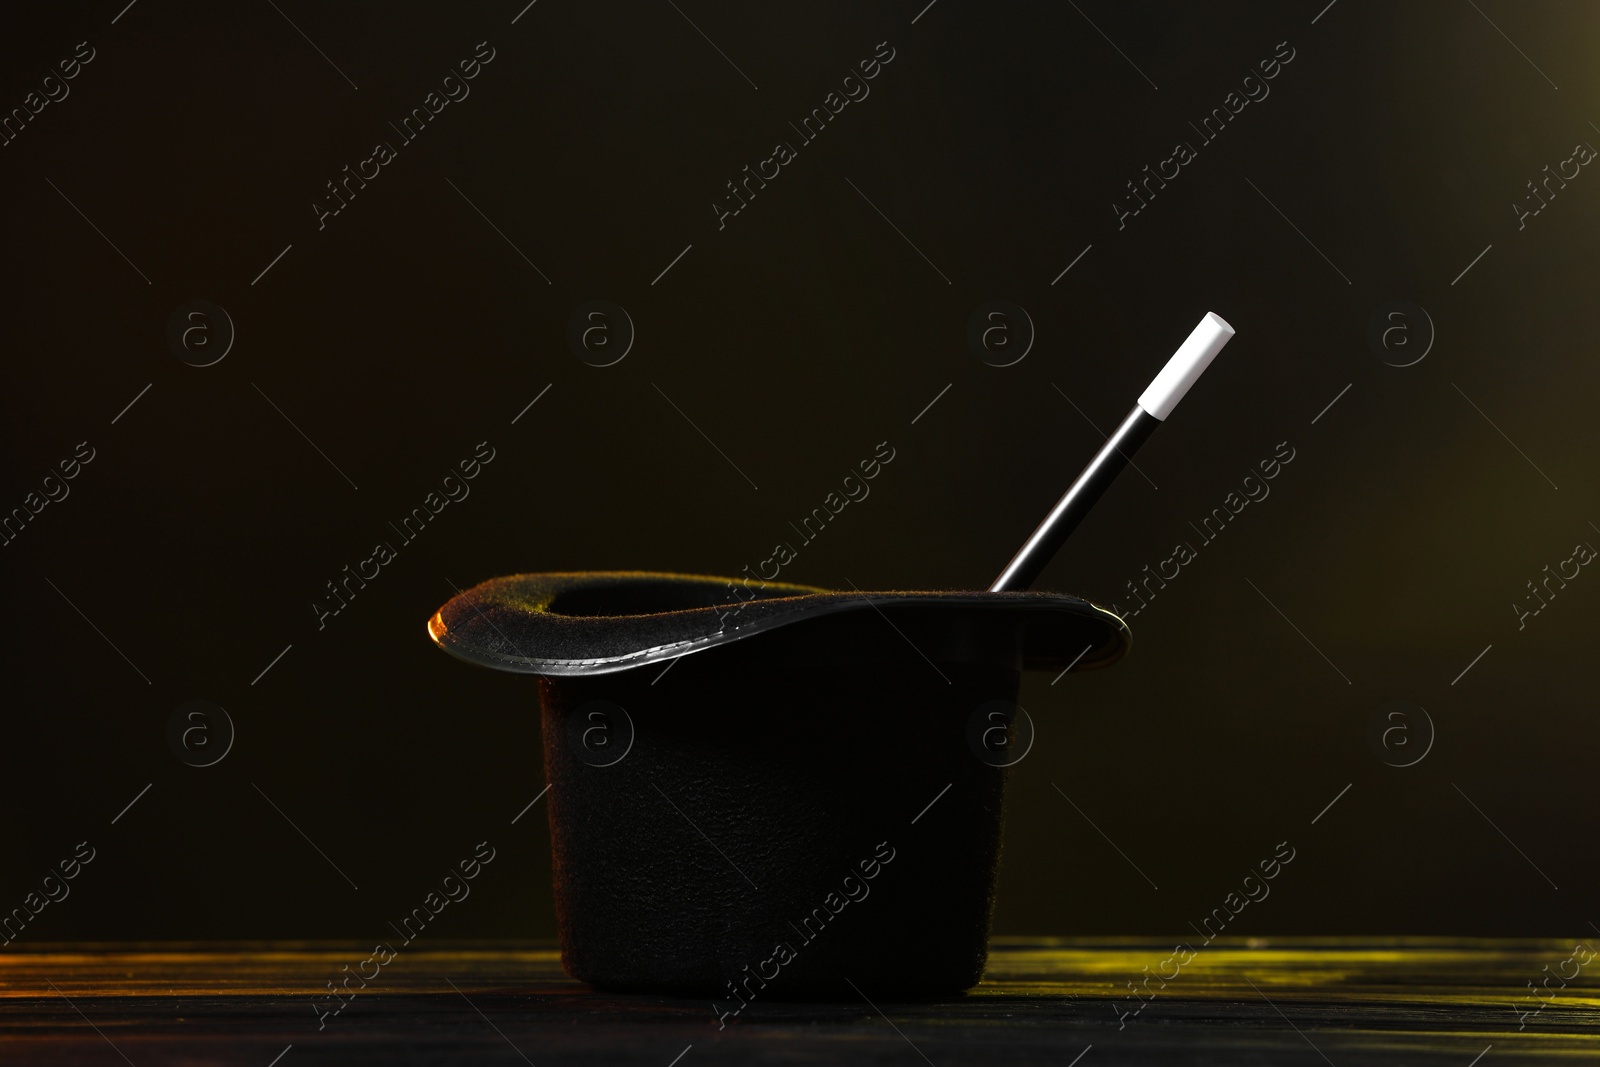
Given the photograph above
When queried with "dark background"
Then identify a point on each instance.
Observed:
(408, 330)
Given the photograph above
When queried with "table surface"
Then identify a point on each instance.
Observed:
(1263, 1001)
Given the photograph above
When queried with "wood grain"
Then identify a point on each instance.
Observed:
(1370, 1001)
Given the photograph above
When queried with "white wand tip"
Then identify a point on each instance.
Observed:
(1186, 365)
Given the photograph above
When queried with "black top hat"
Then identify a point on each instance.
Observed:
(804, 729)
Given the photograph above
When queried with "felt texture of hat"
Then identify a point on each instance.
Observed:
(600, 622)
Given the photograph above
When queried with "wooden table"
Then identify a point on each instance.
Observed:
(1372, 1001)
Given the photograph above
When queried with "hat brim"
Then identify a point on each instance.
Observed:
(601, 622)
